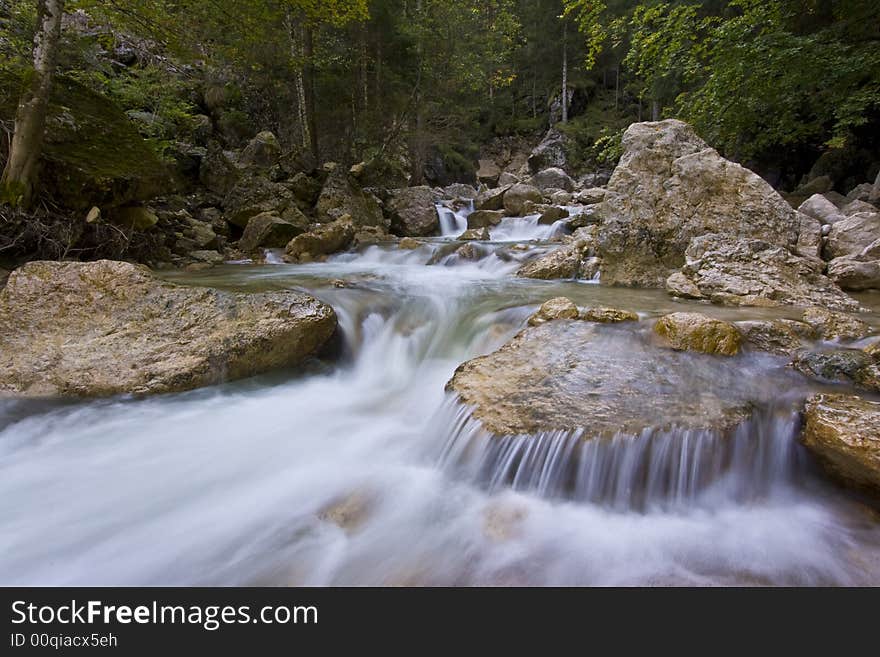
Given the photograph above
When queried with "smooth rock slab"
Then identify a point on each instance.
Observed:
(564, 375)
(103, 328)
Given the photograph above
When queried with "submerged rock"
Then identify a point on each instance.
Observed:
(103, 328)
(556, 308)
(835, 326)
(782, 336)
(669, 188)
(843, 432)
(564, 375)
(609, 315)
(747, 272)
(696, 332)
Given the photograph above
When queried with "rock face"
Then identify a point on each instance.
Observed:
(843, 432)
(669, 188)
(552, 178)
(553, 309)
(696, 332)
(104, 328)
(549, 153)
(516, 197)
(269, 231)
(747, 272)
(412, 211)
(321, 240)
(601, 378)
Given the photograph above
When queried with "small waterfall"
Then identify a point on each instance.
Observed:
(453, 222)
(525, 229)
(659, 468)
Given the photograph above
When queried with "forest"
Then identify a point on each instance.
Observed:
(440, 293)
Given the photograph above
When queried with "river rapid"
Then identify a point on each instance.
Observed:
(359, 469)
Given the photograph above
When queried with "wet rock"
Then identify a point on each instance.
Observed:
(696, 332)
(262, 151)
(475, 234)
(268, 231)
(835, 326)
(852, 235)
(606, 382)
(491, 199)
(484, 218)
(746, 272)
(104, 328)
(843, 433)
(552, 178)
(821, 209)
(553, 309)
(551, 215)
(469, 252)
(669, 188)
(409, 243)
(367, 235)
(781, 337)
(609, 315)
(851, 366)
(413, 213)
(564, 262)
(322, 240)
(348, 513)
(516, 197)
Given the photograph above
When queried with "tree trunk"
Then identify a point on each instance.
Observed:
(309, 84)
(564, 72)
(20, 174)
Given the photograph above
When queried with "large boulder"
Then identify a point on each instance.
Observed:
(852, 235)
(268, 231)
(843, 433)
(564, 375)
(484, 218)
(322, 240)
(104, 328)
(821, 209)
(253, 195)
(491, 199)
(855, 274)
(413, 213)
(749, 272)
(262, 151)
(549, 153)
(341, 196)
(552, 178)
(697, 332)
(488, 172)
(516, 197)
(670, 187)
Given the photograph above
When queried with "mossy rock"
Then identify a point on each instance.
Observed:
(93, 153)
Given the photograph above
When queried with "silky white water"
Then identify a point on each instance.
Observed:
(237, 484)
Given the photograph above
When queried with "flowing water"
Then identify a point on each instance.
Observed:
(361, 469)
